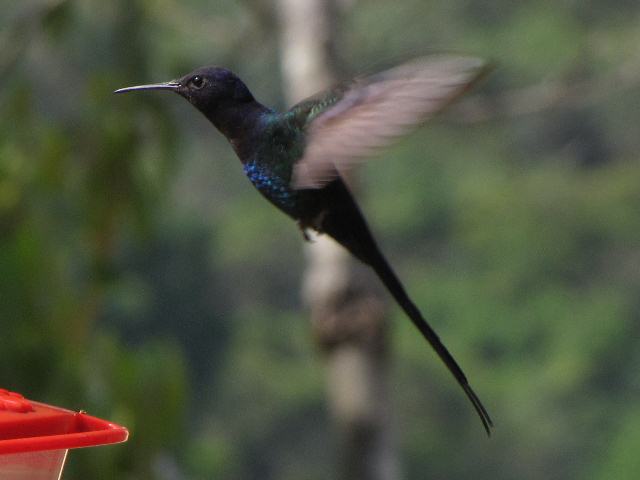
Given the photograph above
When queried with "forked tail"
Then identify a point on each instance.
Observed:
(391, 281)
(343, 220)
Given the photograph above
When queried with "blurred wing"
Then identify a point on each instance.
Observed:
(347, 125)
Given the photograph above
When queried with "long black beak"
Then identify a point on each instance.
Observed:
(173, 85)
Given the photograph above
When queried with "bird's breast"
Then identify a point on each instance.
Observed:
(273, 186)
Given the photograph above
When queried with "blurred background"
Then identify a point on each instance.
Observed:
(144, 280)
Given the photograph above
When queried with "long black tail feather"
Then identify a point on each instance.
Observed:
(345, 223)
(395, 287)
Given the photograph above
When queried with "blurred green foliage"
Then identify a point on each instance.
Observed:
(143, 279)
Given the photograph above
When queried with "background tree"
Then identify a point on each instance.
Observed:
(347, 311)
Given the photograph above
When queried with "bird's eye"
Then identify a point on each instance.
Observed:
(197, 82)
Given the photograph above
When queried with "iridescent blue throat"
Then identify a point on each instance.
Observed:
(272, 186)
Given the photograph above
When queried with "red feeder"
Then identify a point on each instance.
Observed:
(34, 437)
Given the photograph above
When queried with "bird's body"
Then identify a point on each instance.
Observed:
(294, 158)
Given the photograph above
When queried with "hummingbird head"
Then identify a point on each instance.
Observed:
(206, 88)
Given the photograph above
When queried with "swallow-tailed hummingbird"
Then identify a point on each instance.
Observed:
(297, 158)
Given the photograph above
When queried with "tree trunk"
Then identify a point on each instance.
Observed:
(347, 312)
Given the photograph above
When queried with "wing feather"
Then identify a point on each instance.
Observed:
(350, 124)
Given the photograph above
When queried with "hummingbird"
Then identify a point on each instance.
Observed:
(297, 159)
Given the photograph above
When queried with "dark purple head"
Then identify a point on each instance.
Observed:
(207, 88)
